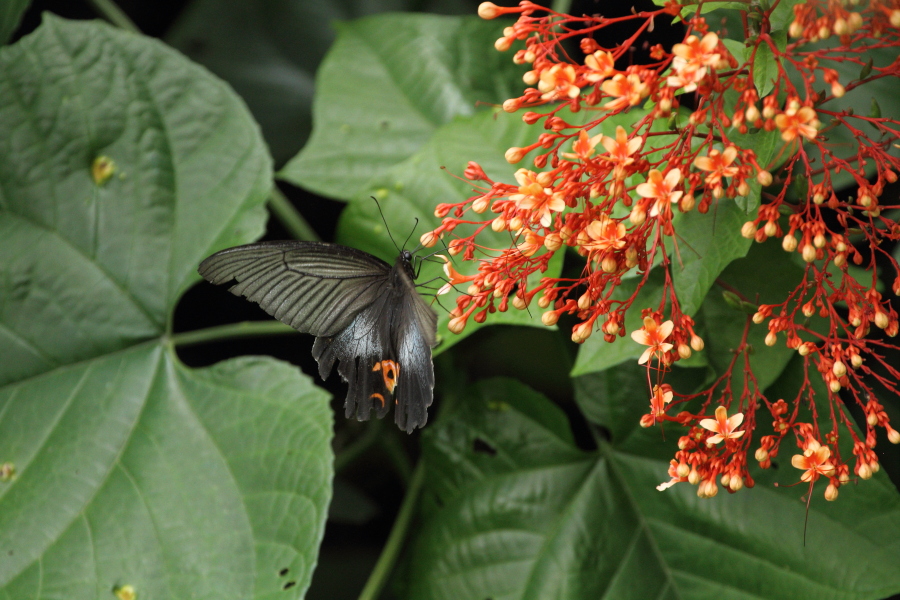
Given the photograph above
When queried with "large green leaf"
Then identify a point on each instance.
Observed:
(11, 12)
(123, 166)
(139, 471)
(387, 84)
(113, 256)
(268, 50)
(515, 510)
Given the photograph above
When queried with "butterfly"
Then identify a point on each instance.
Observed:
(365, 314)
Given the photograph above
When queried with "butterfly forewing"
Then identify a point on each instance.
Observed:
(313, 287)
(365, 315)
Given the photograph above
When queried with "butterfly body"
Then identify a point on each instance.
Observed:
(366, 315)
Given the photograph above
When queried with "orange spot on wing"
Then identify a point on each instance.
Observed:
(390, 372)
(380, 399)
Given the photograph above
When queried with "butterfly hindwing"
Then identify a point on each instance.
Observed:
(358, 348)
(314, 287)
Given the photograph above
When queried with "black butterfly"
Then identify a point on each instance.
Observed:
(363, 312)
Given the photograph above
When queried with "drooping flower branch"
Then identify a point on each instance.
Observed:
(613, 199)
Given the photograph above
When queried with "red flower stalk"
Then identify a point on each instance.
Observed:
(581, 190)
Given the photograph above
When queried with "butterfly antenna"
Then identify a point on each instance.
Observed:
(383, 220)
(416, 224)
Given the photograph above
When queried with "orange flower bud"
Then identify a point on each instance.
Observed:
(748, 230)
(585, 301)
(638, 215)
(609, 264)
(489, 10)
(789, 243)
(864, 471)
(457, 325)
(893, 435)
(809, 253)
(514, 155)
(553, 241)
(428, 239)
(751, 114)
(697, 343)
(582, 331)
(693, 476)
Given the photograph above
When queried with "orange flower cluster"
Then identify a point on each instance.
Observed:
(613, 198)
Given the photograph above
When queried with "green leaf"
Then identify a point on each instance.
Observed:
(875, 109)
(387, 84)
(705, 244)
(269, 51)
(866, 69)
(780, 37)
(409, 191)
(11, 12)
(132, 469)
(140, 471)
(114, 257)
(515, 510)
(765, 69)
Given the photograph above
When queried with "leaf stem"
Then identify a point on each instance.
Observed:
(290, 217)
(395, 540)
(231, 331)
(115, 15)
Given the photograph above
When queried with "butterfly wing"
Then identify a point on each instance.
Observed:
(358, 348)
(414, 335)
(314, 287)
